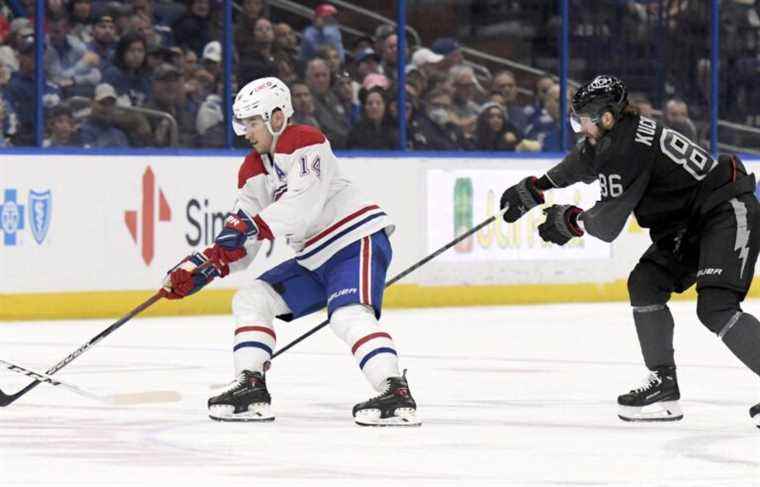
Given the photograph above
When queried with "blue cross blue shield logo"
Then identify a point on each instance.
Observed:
(40, 211)
(11, 217)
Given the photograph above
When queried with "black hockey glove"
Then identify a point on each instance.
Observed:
(561, 224)
(521, 198)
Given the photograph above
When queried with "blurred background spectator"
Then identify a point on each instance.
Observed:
(99, 128)
(129, 74)
(63, 130)
(374, 129)
(675, 115)
(303, 104)
(257, 60)
(329, 112)
(168, 96)
(68, 63)
(494, 132)
(324, 30)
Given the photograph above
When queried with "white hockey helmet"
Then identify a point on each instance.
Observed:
(261, 97)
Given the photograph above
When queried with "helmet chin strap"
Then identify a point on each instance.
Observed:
(275, 134)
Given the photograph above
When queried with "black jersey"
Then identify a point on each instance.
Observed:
(644, 168)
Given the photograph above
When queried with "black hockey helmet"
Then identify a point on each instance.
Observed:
(601, 94)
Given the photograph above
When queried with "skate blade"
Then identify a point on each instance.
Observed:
(257, 413)
(402, 418)
(659, 411)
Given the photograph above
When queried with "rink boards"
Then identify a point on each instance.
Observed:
(93, 235)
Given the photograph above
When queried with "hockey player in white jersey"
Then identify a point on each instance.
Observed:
(290, 188)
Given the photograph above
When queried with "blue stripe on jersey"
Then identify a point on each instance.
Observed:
(340, 234)
(376, 352)
(260, 345)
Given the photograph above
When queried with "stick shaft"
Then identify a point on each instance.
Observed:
(403, 274)
(6, 399)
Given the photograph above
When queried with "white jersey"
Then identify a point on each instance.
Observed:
(300, 196)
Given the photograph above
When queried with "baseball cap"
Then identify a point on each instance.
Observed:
(19, 23)
(324, 10)
(365, 53)
(103, 91)
(166, 72)
(425, 56)
(213, 51)
(375, 79)
(445, 46)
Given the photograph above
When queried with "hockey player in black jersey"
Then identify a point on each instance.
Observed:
(703, 218)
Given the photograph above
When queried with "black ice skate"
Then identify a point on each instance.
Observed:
(394, 407)
(754, 413)
(246, 399)
(655, 400)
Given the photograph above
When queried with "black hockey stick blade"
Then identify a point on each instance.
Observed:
(7, 399)
(405, 273)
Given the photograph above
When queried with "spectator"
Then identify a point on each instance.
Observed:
(129, 75)
(62, 128)
(504, 83)
(543, 85)
(245, 28)
(286, 43)
(494, 132)
(390, 57)
(20, 91)
(259, 62)
(103, 40)
(20, 27)
(194, 29)
(286, 70)
(68, 63)
(464, 110)
(303, 104)
(374, 130)
(168, 95)
(210, 122)
(676, 116)
(99, 129)
(81, 20)
(640, 101)
(444, 134)
(451, 51)
(417, 80)
(329, 113)
(367, 62)
(330, 55)
(344, 91)
(546, 128)
(155, 36)
(381, 34)
(8, 123)
(211, 60)
(361, 43)
(324, 30)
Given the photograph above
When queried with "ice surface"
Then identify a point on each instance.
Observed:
(513, 396)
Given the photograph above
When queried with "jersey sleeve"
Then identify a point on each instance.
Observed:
(577, 166)
(308, 178)
(623, 179)
(606, 219)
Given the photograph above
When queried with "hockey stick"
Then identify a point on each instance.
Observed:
(6, 399)
(404, 273)
(116, 399)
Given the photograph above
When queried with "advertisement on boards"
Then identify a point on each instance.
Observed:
(460, 199)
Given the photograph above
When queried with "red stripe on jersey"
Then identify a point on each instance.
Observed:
(362, 341)
(298, 136)
(262, 329)
(340, 223)
(265, 233)
(252, 166)
(365, 260)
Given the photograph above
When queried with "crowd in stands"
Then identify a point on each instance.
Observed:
(148, 73)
